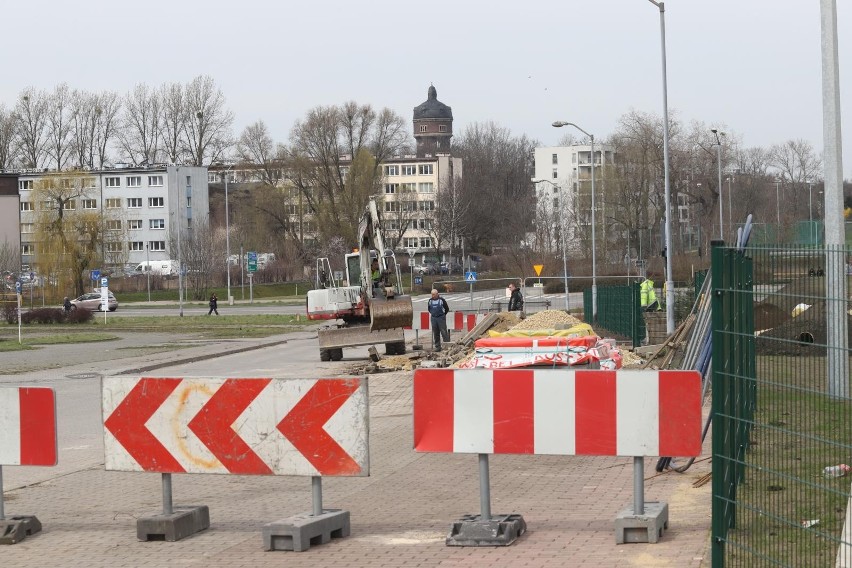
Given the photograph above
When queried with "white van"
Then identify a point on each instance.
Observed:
(157, 267)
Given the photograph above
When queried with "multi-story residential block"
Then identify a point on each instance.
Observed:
(138, 206)
(566, 199)
(10, 224)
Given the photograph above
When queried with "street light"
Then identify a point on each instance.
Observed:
(716, 133)
(148, 270)
(669, 282)
(227, 229)
(561, 233)
(777, 208)
(560, 124)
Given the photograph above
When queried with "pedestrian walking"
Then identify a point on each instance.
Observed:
(214, 305)
(516, 301)
(66, 303)
(438, 309)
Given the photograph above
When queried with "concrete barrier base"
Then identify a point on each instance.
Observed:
(15, 529)
(499, 530)
(299, 532)
(183, 522)
(648, 527)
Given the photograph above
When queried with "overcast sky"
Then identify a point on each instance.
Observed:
(750, 66)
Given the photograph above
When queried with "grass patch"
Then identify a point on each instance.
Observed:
(31, 342)
(213, 327)
(798, 430)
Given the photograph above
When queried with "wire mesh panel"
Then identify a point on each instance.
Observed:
(782, 416)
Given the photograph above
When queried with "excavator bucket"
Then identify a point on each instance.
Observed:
(390, 313)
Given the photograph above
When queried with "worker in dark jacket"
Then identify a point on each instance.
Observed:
(438, 309)
(516, 301)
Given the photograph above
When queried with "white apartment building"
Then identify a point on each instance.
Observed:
(567, 189)
(139, 205)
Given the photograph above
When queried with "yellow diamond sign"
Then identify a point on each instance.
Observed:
(538, 268)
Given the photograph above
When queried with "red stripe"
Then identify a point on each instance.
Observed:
(424, 320)
(458, 320)
(680, 413)
(595, 413)
(433, 410)
(213, 426)
(38, 426)
(514, 411)
(471, 321)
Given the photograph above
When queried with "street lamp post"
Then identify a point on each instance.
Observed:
(561, 234)
(730, 223)
(716, 133)
(148, 270)
(670, 324)
(777, 209)
(560, 124)
(227, 233)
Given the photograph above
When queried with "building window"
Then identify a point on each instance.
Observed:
(113, 203)
(424, 128)
(555, 173)
(411, 242)
(26, 206)
(113, 247)
(46, 205)
(426, 205)
(442, 128)
(409, 206)
(134, 224)
(157, 246)
(428, 187)
(555, 159)
(89, 182)
(155, 202)
(424, 224)
(188, 201)
(90, 204)
(155, 181)
(156, 223)
(27, 249)
(134, 181)
(25, 184)
(112, 182)
(425, 169)
(26, 228)
(70, 205)
(391, 170)
(425, 242)
(135, 245)
(409, 170)
(391, 206)
(114, 224)
(391, 187)
(188, 181)
(134, 202)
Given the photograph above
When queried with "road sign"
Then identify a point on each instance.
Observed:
(252, 262)
(104, 282)
(27, 426)
(537, 268)
(470, 276)
(418, 280)
(17, 286)
(558, 412)
(95, 275)
(538, 284)
(246, 426)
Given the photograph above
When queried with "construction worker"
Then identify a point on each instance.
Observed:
(648, 296)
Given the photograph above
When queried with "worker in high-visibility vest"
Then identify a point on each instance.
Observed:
(648, 296)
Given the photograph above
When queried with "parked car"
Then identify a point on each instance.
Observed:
(451, 268)
(92, 302)
(422, 269)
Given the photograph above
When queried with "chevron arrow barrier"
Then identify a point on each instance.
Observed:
(246, 426)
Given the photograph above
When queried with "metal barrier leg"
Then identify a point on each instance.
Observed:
(484, 488)
(2, 513)
(316, 494)
(168, 508)
(174, 523)
(639, 485)
(642, 522)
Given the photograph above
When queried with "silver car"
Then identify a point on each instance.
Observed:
(92, 302)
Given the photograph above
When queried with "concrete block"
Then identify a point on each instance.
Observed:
(15, 529)
(647, 527)
(183, 522)
(299, 532)
(499, 530)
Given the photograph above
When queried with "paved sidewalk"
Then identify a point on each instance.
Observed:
(400, 514)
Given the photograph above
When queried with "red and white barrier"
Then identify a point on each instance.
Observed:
(456, 321)
(558, 411)
(247, 426)
(27, 426)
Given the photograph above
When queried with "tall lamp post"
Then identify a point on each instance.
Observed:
(561, 233)
(560, 124)
(148, 270)
(777, 209)
(227, 230)
(716, 133)
(670, 323)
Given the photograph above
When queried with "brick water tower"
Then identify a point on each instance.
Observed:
(433, 126)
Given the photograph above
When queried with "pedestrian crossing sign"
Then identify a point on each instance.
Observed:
(470, 276)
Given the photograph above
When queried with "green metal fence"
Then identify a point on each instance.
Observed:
(781, 408)
(619, 311)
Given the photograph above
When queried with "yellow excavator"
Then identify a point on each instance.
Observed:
(369, 307)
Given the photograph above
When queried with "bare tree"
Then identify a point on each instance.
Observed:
(31, 119)
(8, 139)
(207, 126)
(798, 165)
(59, 124)
(106, 123)
(256, 147)
(140, 125)
(173, 118)
(84, 105)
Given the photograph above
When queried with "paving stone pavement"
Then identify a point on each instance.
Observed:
(400, 514)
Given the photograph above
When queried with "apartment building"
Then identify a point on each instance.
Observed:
(10, 223)
(138, 206)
